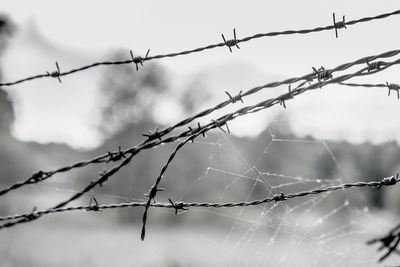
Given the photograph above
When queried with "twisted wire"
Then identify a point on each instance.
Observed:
(102, 178)
(57, 74)
(274, 198)
(201, 130)
(249, 109)
(154, 188)
(291, 94)
(389, 241)
(306, 78)
(367, 85)
(391, 86)
(151, 142)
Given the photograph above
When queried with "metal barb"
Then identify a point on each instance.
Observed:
(227, 127)
(56, 74)
(102, 175)
(290, 96)
(235, 98)
(394, 87)
(286, 97)
(339, 24)
(389, 242)
(178, 206)
(151, 135)
(374, 66)
(392, 180)
(231, 42)
(37, 177)
(199, 129)
(31, 216)
(282, 103)
(191, 130)
(153, 192)
(116, 156)
(279, 197)
(219, 124)
(93, 205)
(139, 59)
(323, 74)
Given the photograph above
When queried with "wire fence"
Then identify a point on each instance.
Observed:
(316, 79)
(154, 138)
(323, 77)
(387, 181)
(139, 60)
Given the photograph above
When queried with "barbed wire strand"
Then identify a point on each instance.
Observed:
(367, 85)
(388, 181)
(151, 142)
(223, 121)
(154, 188)
(391, 86)
(140, 60)
(103, 177)
(213, 124)
(306, 78)
(389, 241)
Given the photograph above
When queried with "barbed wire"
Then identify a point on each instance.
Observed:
(155, 138)
(218, 123)
(103, 177)
(154, 188)
(367, 85)
(229, 43)
(387, 181)
(391, 86)
(214, 124)
(307, 78)
(389, 241)
(324, 78)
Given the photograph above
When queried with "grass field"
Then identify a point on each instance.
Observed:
(56, 243)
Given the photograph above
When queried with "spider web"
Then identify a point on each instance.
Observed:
(322, 230)
(328, 229)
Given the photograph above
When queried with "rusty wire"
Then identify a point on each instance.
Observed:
(387, 181)
(233, 42)
(154, 138)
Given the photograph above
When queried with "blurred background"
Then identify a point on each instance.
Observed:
(324, 137)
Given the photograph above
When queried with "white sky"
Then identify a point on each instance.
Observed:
(79, 32)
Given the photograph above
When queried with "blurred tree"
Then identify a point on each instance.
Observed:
(6, 114)
(196, 94)
(8, 170)
(6, 108)
(128, 95)
(7, 28)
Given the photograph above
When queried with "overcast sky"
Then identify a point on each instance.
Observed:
(76, 33)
